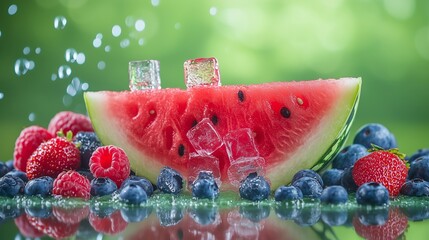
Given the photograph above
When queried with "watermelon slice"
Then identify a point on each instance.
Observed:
(151, 126)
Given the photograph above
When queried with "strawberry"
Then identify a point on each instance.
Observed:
(111, 225)
(71, 215)
(27, 142)
(53, 228)
(382, 166)
(52, 157)
(69, 121)
(72, 184)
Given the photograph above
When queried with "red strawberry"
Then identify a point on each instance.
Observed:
(110, 162)
(69, 121)
(52, 157)
(72, 184)
(53, 228)
(25, 228)
(382, 166)
(113, 224)
(27, 142)
(71, 215)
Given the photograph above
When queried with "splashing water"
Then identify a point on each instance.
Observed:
(32, 117)
(107, 48)
(53, 77)
(116, 31)
(155, 3)
(101, 65)
(141, 41)
(74, 87)
(37, 50)
(26, 50)
(71, 55)
(31, 65)
(84, 86)
(1, 95)
(97, 42)
(140, 25)
(0, 33)
(64, 71)
(22, 66)
(129, 21)
(12, 9)
(60, 22)
(125, 43)
(213, 11)
(80, 58)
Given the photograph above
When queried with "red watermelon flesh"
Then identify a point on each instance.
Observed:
(151, 126)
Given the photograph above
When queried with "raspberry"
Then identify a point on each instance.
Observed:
(111, 225)
(72, 184)
(111, 162)
(69, 121)
(53, 228)
(71, 215)
(52, 157)
(29, 139)
(25, 228)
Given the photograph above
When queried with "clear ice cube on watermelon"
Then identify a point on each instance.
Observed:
(198, 163)
(240, 143)
(242, 167)
(202, 71)
(204, 137)
(144, 75)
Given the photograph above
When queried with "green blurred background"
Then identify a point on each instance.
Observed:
(384, 42)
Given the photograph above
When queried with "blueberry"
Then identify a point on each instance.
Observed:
(88, 142)
(374, 133)
(143, 182)
(205, 186)
(287, 193)
(373, 216)
(255, 213)
(416, 187)
(416, 212)
(170, 181)
(254, 188)
(286, 212)
(335, 217)
(307, 173)
(10, 211)
(309, 187)
(3, 169)
(308, 216)
(372, 193)
(334, 195)
(204, 215)
(40, 211)
(102, 187)
(347, 180)
(133, 194)
(20, 174)
(419, 153)
(348, 156)
(136, 214)
(332, 177)
(11, 186)
(419, 168)
(86, 174)
(41, 186)
(10, 165)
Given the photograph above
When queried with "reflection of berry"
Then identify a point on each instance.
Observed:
(70, 215)
(392, 229)
(29, 139)
(69, 121)
(111, 225)
(25, 228)
(72, 184)
(53, 228)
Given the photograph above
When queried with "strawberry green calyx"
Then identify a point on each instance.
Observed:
(68, 137)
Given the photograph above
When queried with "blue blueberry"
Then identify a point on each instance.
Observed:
(419, 153)
(374, 133)
(3, 169)
(102, 187)
(136, 214)
(204, 215)
(102, 211)
(332, 177)
(419, 168)
(347, 180)
(11, 186)
(416, 187)
(254, 188)
(307, 173)
(133, 194)
(87, 174)
(10, 165)
(309, 187)
(373, 216)
(170, 215)
(170, 181)
(348, 156)
(335, 217)
(255, 213)
(205, 186)
(10, 211)
(88, 142)
(416, 212)
(41, 186)
(143, 182)
(372, 193)
(20, 174)
(308, 216)
(287, 193)
(40, 211)
(286, 212)
(334, 195)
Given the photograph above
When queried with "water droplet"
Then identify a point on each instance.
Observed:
(32, 117)
(213, 11)
(74, 87)
(12, 9)
(64, 71)
(107, 48)
(155, 3)
(38, 50)
(116, 31)
(96, 43)
(129, 21)
(60, 22)
(177, 26)
(141, 41)
(1, 95)
(31, 65)
(0, 33)
(53, 77)
(26, 50)
(21, 66)
(80, 58)
(140, 25)
(71, 55)
(67, 100)
(125, 43)
(85, 86)
(101, 65)
(99, 36)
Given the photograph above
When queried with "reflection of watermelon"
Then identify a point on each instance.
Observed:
(151, 126)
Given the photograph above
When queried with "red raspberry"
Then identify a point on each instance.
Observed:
(111, 162)
(53, 228)
(71, 215)
(27, 142)
(69, 121)
(72, 184)
(381, 166)
(25, 228)
(111, 225)
(52, 157)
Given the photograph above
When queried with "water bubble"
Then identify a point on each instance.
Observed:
(37, 50)
(81, 58)
(12, 9)
(129, 21)
(99, 36)
(84, 86)
(1, 95)
(53, 77)
(213, 11)
(21, 66)
(125, 43)
(155, 2)
(101, 65)
(31, 65)
(74, 87)
(71, 55)
(60, 22)
(0, 33)
(64, 71)
(141, 41)
(32, 117)
(97, 42)
(116, 31)
(140, 25)
(107, 48)
(177, 26)
(26, 50)
(67, 100)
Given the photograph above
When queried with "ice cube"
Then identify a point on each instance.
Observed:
(144, 75)
(242, 167)
(202, 71)
(240, 143)
(198, 163)
(204, 138)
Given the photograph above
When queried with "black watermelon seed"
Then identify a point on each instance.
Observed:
(181, 150)
(284, 111)
(194, 123)
(214, 119)
(240, 95)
